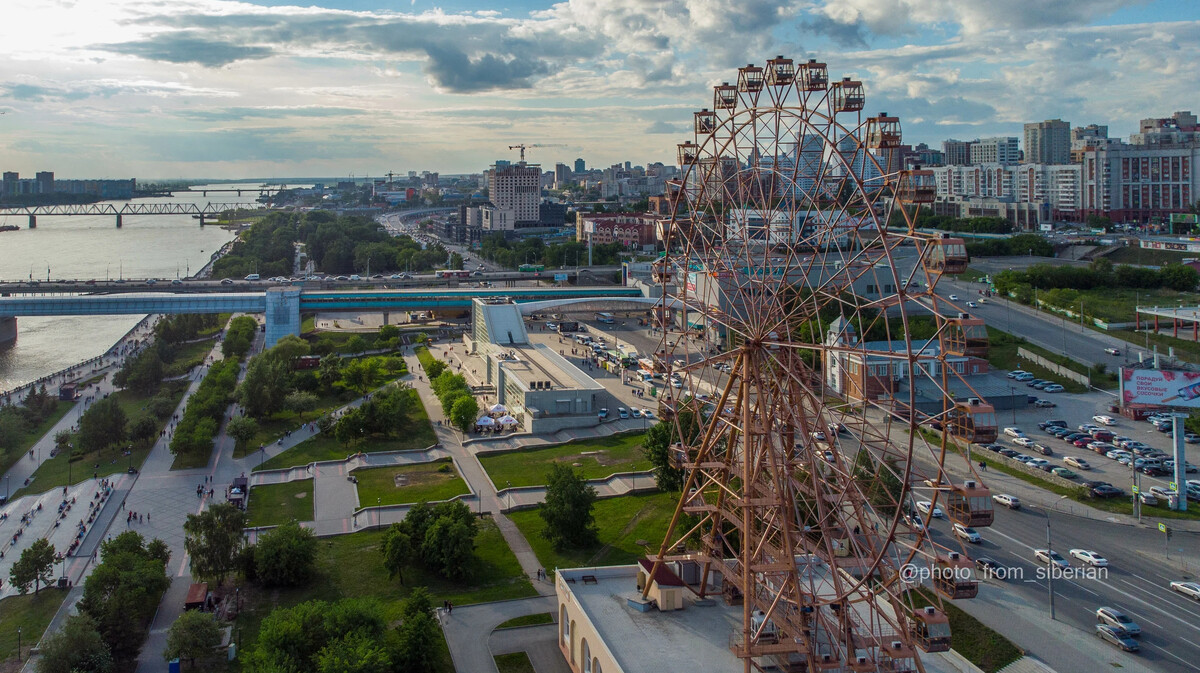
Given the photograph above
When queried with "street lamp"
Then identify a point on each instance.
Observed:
(18, 644)
(1050, 556)
(1012, 397)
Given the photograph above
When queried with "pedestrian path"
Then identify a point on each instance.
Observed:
(466, 627)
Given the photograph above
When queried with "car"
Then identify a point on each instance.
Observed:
(1090, 557)
(603, 414)
(151, 281)
(953, 297)
(378, 276)
(924, 507)
(971, 304)
(177, 282)
(1014, 432)
(1187, 467)
(818, 435)
(1100, 447)
(476, 273)
(1037, 462)
(1009, 453)
(634, 412)
(1117, 636)
(1042, 449)
(1038, 383)
(1044, 404)
(1106, 420)
(646, 413)
(1162, 492)
(1189, 589)
(1147, 498)
(1053, 388)
(990, 567)
(224, 281)
(1082, 441)
(1051, 557)
(1117, 454)
(1064, 473)
(967, 533)
(836, 428)
(1015, 373)
(1023, 441)
(1009, 501)
(1077, 463)
(342, 278)
(1191, 438)
(1021, 458)
(1106, 491)
(622, 412)
(828, 456)
(1117, 618)
(914, 521)
(1113, 351)
(1024, 377)
(1070, 437)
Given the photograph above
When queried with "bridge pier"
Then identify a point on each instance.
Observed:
(201, 216)
(282, 314)
(33, 221)
(8, 331)
(118, 221)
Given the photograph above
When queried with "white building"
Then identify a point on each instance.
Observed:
(1004, 151)
(515, 191)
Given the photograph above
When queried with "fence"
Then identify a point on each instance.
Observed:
(1062, 371)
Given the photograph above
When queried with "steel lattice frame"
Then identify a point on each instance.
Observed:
(786, 223)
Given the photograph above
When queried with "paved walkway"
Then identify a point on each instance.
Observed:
(539, 642)
(465, 626)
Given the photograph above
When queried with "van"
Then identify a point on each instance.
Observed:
(253, 276)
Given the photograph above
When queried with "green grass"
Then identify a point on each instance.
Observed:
(308, 324)
(1002, 354)
(55, 472)
(529, 467)
(274, 504)
(516, 662)
(190, 355)
(324, 447)
(1185, 349)
(1100, 376)
(350, 566)
(425, 482)
(972, 275)
(31, 437)
(424, 357)
(621, 522)
(1117, 304)
(32, 614)
(1146, 256)
(971, 638)
(273, 427)
(528, 620)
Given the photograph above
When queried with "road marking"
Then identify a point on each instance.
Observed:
(1173, 656)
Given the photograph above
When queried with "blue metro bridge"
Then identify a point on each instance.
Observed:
(282, 306)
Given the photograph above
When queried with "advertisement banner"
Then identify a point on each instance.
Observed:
(560, 277)
(1160, 387)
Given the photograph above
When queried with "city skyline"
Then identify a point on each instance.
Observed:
(208, 88)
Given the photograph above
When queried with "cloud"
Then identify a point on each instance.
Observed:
(189, 47)
(668, 127)
(38, 91)
(276, 112)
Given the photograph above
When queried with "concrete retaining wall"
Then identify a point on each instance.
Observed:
(1062, 371)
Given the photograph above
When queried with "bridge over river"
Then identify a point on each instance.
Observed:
(209, 210)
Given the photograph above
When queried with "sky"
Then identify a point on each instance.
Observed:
(223, 89)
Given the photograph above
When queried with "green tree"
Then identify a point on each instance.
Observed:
(397, 549)
(292, 639)
(434, 369)
(285, 556)
(265, 386)
(35, 566)
(354, 653)
(448, 547)
(418, 634)
(356, 344)
(144, 429)
(123, 592)
(62, 442)
(300, 402)
(657, 449)
(360, 375)
(75, 648)
(1179, 277)
(242, 429)
(102, 425)
(464, 412)
(12, 427)
(194, 635)
(389, 332)
(351, 428)
(142, 372)
(213, 540)
(567, 509)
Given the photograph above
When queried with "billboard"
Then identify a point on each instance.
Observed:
(1160, 387)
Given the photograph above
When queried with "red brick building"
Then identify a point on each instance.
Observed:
(632, 230)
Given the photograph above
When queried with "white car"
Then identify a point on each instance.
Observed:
(1051, 557)
(1009, 501)
(953, 297)
(646, 413)
(1077, 463)
(1023, 441)
(923, 506)
(1037, 462)
(971, 304)
(967, 533)
(1014, 432)
(1090, 557)
(818, 435)
(1106, 420)
(622, 412)
(1053, 388)
(603, 414)
(1189, 589)
(634, 412)
(1016, 372)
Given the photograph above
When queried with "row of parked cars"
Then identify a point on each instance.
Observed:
(1033, 382)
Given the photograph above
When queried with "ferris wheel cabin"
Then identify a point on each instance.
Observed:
(724, 96)
(848, 96)
(916, 187)
(687, 153)
(965, 335)
(780, 71)
(706, 121)
(750, 79)
(930, 629)
(883, 132)
(947, 255)
(972, 421)
(954, 577)
(970, 504)
(814, 76)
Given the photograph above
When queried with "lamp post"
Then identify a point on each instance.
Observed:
(1050, 556)
(18, 644)
(1012, 394)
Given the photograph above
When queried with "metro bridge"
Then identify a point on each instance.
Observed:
(282, 305)
(207, 210)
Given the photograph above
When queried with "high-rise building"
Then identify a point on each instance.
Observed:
(1000, 150)
(45, 182)
(1048, 142)
(1136, 183)
(956, 152)
(9, 186)
(562, 174)
(580, 166)
(515, 192)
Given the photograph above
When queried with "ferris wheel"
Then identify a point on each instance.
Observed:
(818, 387)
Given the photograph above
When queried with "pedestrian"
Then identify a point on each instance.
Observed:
(449, 607)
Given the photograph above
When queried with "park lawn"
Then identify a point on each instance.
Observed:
(272, 428)
(189, 356)
(424, 357)
(10, 458)
(516, 662)
(308, 323)
(323, 446)
(275, 504)
(528, 620)
(621, 522)
(55, 472)
(1002, 354)
(32, 614)
(974, 640)
(1147, 257)
(424, 482)
(350, 566)
(605, 456)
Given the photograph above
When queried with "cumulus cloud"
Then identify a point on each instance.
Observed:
(188, 47)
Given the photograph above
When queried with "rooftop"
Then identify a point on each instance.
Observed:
(537, 362)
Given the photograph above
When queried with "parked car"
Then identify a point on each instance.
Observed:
(603, 414)
(1044, 404)
(1189, 589)
(1014, 432)
(1162, 492)
(1023, 441)
(1147, 498)
(1009, 453)
(1103, 419)
(1077, 463)
(1106, 491)
(1024, 377)
(924, 507)
(1053, 388)
(1064, 473)
(1009, 501)
(967, 533)
(1191, 438)
(1042, 449)
(1117, 618)
(1015, 373)
(1051, 557)
(1090, 557)
(1117, 636)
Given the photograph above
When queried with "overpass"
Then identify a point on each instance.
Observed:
(199, 211)
(282, 305)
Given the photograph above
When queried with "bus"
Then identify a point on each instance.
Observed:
(606, 318)
(452, 273)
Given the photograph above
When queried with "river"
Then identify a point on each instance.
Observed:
(158, 246)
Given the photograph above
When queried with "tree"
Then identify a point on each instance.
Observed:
(213, 540)
(285, 556)
(12, 427)
(142, 372)
(354, 653)
(300, 402)
(657, 449)
(448, 546)
(123, 592)
(144, 429)
(434, 369)
(464, 412)
(1179, 277)
(356, 344)
(263, 390)
(351, 427)
(194, 635)
(242, 429)
(294, 639)
(360, 375)
(397, 549)
(102, 424)
(76, 647)
(389, 332)
(567, 509)
(418, 633)
(35, 566)
(62, 442)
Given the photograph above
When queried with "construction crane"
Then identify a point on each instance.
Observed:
(523, 147)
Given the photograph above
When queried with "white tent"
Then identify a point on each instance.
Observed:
(507, 420)
(485, 421)
(498, 409)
